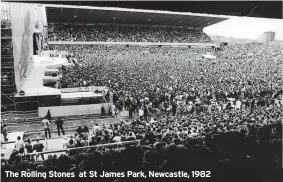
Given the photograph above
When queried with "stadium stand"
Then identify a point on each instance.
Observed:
(125, 33)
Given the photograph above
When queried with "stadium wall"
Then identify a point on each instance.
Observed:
(23, 24)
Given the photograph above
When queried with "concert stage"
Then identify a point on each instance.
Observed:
(33, 84)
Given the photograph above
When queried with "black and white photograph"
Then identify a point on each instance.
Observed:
(141, 91)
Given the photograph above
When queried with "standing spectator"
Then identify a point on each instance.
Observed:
(79, 130)
(59, 122)
(110, 111)
(48, 115)
(96, 128)
(92, 142)
(46, 124)
(145, 113)
(85, 129)
(102, 111)
(78, 144)
(131, 112)
(19, 145)
(141, 112)
(71, 145)
(113, 108)
(28, 147)
(4, 132)
(65, 142)
(38, 147)
(174, 108)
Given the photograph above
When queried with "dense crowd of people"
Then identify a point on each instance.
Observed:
(168, 149)
(240, 90)
(125, 33)
(186, 111)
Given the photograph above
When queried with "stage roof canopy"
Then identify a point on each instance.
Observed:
(92, 15)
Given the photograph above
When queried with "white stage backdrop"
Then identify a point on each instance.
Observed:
(23, 25)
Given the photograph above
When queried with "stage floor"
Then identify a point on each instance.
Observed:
(33, 83)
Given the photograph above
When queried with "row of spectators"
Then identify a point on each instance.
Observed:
(125, 33)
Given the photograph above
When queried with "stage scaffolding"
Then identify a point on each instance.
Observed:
(8, 87)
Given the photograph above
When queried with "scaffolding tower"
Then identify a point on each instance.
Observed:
(8, 86)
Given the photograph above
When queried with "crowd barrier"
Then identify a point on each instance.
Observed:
(137, 142)
(15, 116)
(30, 122)
(84, 89)
(94, 146)
(89, 109)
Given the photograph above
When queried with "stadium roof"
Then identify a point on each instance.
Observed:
(90, 14)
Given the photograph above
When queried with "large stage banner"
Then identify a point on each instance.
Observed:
(23, 25)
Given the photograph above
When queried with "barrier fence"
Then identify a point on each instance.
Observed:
(16, 119)
(37, 154)
(16, 115)
(137, 142)
(30, 122)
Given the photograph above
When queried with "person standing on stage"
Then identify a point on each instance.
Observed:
(46, 125)
(59, 122)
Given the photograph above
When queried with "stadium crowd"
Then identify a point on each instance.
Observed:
(122, 33)
(245, 83)
(186, 111)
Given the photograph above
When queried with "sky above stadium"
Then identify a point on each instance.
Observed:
(246, 27)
